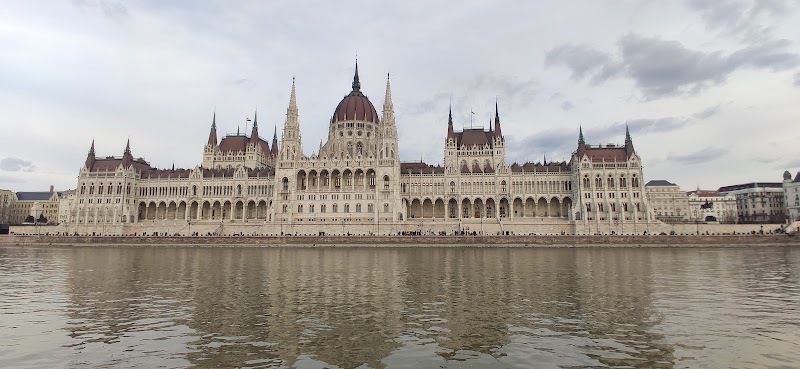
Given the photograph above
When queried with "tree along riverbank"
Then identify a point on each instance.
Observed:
(408, 241)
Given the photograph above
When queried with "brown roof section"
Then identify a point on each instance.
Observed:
(419, 167)
(168, 173)
(561, 166)
(616, 154)
(471, 137)
(355, 106)
(227, 173)
(111, 164)
(239, 143)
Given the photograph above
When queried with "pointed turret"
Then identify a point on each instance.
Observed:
(388, 105)
(292, 109)
(497, 131)
(90, 157)
(628, 142)
(254, 134)
(212, 136)
(127, 157)
(450, 132)
(581, 143)
(274, 148)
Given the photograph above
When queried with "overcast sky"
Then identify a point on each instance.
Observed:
(710, 88)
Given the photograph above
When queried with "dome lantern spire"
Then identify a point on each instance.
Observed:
(356, 81)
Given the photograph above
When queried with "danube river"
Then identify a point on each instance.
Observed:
(399, 308)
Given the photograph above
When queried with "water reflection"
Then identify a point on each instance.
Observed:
(399, 308)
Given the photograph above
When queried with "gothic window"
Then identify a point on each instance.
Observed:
(385, 208)
(585, 181)
(635, 182)
(503, 186)
(239, 189)
(299, 208)
(385, 182)
(358, 208)
(346, 208)
(322, 208)
(452, 187)
(600, 206)
(350, 147)
(610, 182)
(588, 207)
(335, 208)
(285, 208)
(285, 184)
(625, 206)
(598, 182)
(359, 147)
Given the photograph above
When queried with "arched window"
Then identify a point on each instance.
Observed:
(635, 182)
(586, 182)
(299, 208)
(503, 186)
(600, 206)
(452, 187)
(285, 184)
(239, 189)
(598, 182)
(622, 182)
(359, 148)
(346, 208)
(610, 182)
(350, 148)
(358, 208)
(385, 182)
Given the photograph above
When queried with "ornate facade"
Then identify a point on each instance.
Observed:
(356, 184)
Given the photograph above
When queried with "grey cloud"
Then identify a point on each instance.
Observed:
(797, 79)
(16, 165)
(567, 106)
(9, 179)
(708, 112)
(661, 68)
(748, 20)
(556, 144)
(698, 157)
(583, 61)
(432, 104)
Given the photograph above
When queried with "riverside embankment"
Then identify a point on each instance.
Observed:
(406, 241)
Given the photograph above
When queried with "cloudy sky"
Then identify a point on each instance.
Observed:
(709, 88)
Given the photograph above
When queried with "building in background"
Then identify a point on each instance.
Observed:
(65, 204)
(669, 203)
(7, 199)
(711, 206)
(35, 207)
(758, 202)
(791, 196)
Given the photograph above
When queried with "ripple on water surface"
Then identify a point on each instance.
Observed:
(399, 308)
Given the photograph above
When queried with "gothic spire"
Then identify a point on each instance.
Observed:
(127, 157)
(292, 101)
(450, 132)
(497, 131)
(387, 100)
(254, 134)
(90, 157)
(274, 147)
(581, 141)
(356, 82)
(212, 136)
(628, 142)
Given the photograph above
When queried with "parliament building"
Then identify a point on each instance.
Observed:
(356, 184)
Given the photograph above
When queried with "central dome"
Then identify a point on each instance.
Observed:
(355, 106)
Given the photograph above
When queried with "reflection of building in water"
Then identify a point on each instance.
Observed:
(247, 185)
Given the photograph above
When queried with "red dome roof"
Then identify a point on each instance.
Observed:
(355, 106)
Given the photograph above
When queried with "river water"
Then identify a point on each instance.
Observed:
(399, 308)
